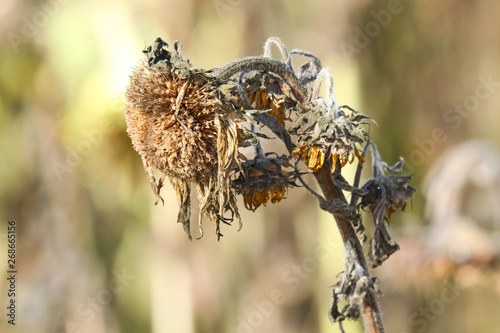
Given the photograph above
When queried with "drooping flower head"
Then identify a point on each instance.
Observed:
(267, 91)
(180, 125)
(264, 179)
(325, 134)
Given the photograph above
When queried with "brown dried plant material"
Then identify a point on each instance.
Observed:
(175, 134)
(384, 194)
(263, 179)
(181, 126)
(267, 91)
(329, 134)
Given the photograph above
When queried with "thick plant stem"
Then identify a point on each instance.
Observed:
(370, 309)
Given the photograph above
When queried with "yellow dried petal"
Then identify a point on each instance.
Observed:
(361, 159)
(343, 160)
(335, 158)
(313, 159)
(321, 160)
(255, 173)
(263, 101)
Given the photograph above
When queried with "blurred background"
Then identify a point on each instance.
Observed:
(94, 254)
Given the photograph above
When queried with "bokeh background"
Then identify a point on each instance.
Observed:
(94, 253)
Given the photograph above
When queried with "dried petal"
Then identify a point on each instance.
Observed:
(262, 180)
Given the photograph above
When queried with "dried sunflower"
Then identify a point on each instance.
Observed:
(180, 124)
(329, 134)
(263, 179)
(267, 91)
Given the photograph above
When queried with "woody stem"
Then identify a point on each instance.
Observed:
(369, 306)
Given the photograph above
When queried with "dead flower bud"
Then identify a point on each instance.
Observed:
(384, 194)
(263, 179)
(324, 135)
(180, 125)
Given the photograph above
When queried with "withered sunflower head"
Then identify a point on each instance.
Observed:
(329, 135)
(266, 91)
(180, 125)
(263, 179)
